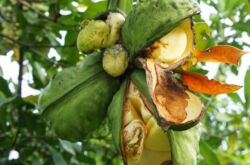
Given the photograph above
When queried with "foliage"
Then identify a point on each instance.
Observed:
(30, 29)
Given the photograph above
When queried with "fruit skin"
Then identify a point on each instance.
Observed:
(139, 79)
(142, 26)
(92, 36)
(115, 114)
(76, 100)
(185, 145)
(115, 60)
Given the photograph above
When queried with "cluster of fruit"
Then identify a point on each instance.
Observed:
(131, 75)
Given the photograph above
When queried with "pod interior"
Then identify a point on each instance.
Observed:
(143, 141)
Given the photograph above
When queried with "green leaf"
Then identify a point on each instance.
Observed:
(38, 126)
(4, 87)
(39, 77)
(31, 99)
(95, 8)
(31, 17)
(228, 6)
(247, 7)
(208, 154)
(57, 156)
(214, 141)
(198, 70)
(202, 34)
(12, 100)
(247, 89)
(235, 98)
(242, 26)
(70, 147)
(223, 117)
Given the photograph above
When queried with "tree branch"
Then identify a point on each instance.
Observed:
(26, 4)
(30, 47)
(35, 45)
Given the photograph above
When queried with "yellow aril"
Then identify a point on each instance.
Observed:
(156, 139)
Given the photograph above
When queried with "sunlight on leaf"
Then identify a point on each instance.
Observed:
(208, 153)
(202, 32)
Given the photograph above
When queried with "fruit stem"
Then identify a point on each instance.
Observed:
(124, 5)
(112, 4)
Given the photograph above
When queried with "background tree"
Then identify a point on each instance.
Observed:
(40, 35)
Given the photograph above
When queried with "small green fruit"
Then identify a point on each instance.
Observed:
(115, 60)
(92, 36)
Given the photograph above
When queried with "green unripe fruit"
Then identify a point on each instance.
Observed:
(92, 36)
(76, 99)
(115, 60)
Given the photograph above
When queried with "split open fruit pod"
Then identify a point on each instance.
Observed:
(166, 41)
(172, 49)
(143, 27)
(138, 135)
(76, 100)
(172, 104)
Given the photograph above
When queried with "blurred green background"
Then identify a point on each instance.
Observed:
(38, 39)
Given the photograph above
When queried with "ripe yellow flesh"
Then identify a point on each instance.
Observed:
(171, 46)
(131, 114)
(151, 157)
(156, 138)
(138, 104)
(153, 146)
(174, 46)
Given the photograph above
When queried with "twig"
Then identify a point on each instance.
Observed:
(247, 44)
(44, 57)
(13, 145)
(19, 92)
(20, 74)
(209, 102)
(55, 63)
(30, 138)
